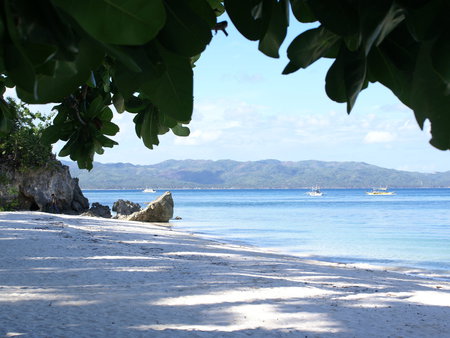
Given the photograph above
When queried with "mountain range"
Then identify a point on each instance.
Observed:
(270, 174)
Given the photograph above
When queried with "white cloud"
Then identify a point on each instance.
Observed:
(379, 137)
(198, 137)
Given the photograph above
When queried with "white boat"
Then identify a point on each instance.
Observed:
(315, 192)
(148, 190)
(380, 192)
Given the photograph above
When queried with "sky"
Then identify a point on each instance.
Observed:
(246, 110)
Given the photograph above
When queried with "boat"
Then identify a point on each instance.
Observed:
(148, 190)
(380, 192)
(315, 192)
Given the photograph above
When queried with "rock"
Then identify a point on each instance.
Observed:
(98, 210)
(32, 189)
(123, 207)
(79, 202)
(160, 210)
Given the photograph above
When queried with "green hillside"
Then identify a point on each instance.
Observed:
(174, 174)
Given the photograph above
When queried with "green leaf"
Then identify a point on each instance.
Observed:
(334, 81)
(71, 146)
(340, 17)
(106, 141)
(440, 55)
(430, 99)
(135, 105)
(95, 107)
(166, 121)
(51, 134)
(39, 53)
(355, 76)
(148, 60)
(60, 118)
(302, 11)
(20, 69)
(277, 28)
(381, 68)
(204, 10)
(132, 22)
(109, 128)
(291, 68)
(67, 78)
(347, 77)
(147, 127)
(98, 147)
(426, 21)
(187, 31)
(124, 55)
(180, 130)
(310, 46)
(247, 17)
(378, 19)
(119, 103)
(172, 93)
(217, 6)
(106, 114)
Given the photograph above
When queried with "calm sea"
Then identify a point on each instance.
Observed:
(408, 230)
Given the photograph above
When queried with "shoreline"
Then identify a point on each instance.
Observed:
(430, 274)
(81, 276)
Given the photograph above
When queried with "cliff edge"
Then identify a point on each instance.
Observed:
(48, 188)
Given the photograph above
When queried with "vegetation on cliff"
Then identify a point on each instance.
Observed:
(29, 172)
(22, 147)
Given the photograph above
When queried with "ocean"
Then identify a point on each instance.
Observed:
(408, 231)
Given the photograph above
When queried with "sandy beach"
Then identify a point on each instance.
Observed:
(69, 276)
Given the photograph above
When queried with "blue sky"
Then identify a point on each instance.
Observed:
(246, 110)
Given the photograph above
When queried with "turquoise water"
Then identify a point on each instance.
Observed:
(410, 229)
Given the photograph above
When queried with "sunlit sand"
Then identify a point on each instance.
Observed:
(87, 277)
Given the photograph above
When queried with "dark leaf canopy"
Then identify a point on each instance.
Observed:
(137, 55)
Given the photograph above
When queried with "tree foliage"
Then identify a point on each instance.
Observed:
(138, 55)
(22, 148)
(401, 44)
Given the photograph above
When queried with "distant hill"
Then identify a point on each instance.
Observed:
(175, 174)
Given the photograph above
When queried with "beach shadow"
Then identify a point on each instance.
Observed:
(68, 276)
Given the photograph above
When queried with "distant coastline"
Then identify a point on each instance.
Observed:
(266, 174)
(202, 188)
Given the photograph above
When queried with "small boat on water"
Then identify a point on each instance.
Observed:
(148, 190)
(380, 191)
(315, 192)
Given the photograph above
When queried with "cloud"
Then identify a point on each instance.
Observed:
(379, 137)
(198, 137)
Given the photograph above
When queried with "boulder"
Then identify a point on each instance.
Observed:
(160, 210)
(123, 207)
(32, 189)
(98, 210)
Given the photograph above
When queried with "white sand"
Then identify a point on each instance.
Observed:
(66, 276)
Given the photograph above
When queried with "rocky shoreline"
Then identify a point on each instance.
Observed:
(52, 189)
(49, 189)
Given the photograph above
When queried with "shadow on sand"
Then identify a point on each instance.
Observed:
(84, 277)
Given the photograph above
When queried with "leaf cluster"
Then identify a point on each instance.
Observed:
(137, 55)
(87, 55)
(403, 45)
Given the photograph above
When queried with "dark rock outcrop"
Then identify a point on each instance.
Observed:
(98, 210)
(123, 207)
(32, 189)
(160, 210)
